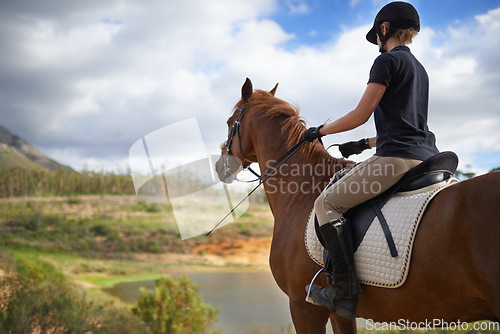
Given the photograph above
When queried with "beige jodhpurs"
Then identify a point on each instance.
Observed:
(365, 181)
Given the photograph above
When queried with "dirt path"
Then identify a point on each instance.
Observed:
(253, 252)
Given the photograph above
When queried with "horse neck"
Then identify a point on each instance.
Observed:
(301, 178)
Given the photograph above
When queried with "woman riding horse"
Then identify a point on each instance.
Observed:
(397, 93)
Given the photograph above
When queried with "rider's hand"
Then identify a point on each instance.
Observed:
(354, 147)
(313, 133)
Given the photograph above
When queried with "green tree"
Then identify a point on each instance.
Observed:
(470, 175)
(464, 175)
(174, 307)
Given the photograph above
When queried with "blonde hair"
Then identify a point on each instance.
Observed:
(404, 35)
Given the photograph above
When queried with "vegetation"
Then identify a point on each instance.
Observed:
(469, 175)
(175, 308)
(105, 227)
(108, 227)
(36, 298)
(10, 158)
(37, 182)
(94, 237)
(47, 243)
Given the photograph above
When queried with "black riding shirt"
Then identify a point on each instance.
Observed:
(401, 115)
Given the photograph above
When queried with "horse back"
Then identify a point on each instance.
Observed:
(466, 214)
(454, 269)
(471, 205)
(458, 246)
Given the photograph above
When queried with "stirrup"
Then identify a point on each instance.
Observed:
(308, 296)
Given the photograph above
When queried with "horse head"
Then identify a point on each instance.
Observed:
(237, 151)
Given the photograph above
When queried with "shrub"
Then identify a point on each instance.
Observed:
(174, 307)
(23, 182)
(38, 299)
(101, 230)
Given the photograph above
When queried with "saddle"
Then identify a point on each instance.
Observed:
(436, 169)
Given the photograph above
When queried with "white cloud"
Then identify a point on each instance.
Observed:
(89, 87)
(490, 20)
(49, 46)
(297, 7)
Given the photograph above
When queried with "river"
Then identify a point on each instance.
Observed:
(248, 301)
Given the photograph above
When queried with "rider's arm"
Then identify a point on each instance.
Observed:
(361, 114)
(372, 142)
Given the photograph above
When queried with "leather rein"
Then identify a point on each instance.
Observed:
(235, 130)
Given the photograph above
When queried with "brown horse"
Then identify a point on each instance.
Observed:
(455, 272)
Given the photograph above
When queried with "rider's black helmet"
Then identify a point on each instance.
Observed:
(401, 15)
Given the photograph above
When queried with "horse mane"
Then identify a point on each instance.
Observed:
(293, 126)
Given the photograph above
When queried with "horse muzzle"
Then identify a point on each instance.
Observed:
(227, 167)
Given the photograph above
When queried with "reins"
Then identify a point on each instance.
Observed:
(277, 164)
(235, 129)
(284, 158)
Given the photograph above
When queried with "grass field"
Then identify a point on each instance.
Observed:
(115, 235)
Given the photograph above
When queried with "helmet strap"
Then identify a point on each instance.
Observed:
(381, 48)
(383, 38)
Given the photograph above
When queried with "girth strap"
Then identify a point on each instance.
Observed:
(385, 229)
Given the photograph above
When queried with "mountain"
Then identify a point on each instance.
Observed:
(17, 152)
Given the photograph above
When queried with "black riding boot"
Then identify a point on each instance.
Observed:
(342, 295)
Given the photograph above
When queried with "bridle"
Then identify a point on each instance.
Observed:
(235, 130)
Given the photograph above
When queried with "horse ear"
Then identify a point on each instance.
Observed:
(273, 91)
(246, 90)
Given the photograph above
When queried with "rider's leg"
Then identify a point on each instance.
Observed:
(363, 182)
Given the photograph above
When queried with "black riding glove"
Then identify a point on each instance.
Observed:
(313, 133)
(354, 147)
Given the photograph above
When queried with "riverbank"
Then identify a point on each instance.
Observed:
(98, 242)
(101, 240)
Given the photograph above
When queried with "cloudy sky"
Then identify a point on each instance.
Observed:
(84, 80)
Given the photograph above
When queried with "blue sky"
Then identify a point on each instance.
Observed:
(316, 22)
(84, 80)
